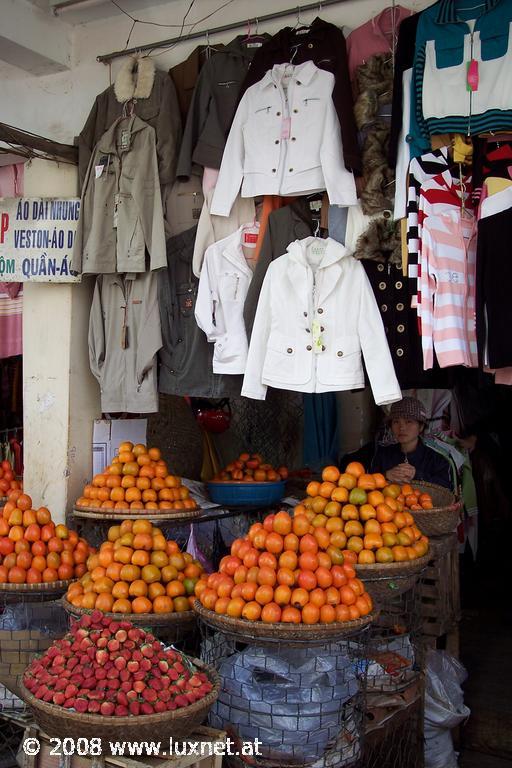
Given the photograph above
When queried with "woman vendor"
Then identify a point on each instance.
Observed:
(409, 458)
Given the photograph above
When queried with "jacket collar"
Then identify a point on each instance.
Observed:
(108, 142)
(192, 66)
(334, 254)
(135, 79)
(239, 47)
(233, 251)
(301, 73)
(447, 13)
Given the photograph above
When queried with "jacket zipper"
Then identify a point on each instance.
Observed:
(470, 89)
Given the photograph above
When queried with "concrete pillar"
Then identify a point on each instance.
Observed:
(60, 396)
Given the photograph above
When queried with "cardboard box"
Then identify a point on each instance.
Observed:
(107, 435)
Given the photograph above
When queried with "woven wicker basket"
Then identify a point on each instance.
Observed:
(294, 634)
(177, 623)
(153, 515)
(387, 580)
(444, 517)
(17, 593)
(178, 724)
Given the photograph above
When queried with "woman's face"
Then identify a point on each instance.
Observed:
(406, 430)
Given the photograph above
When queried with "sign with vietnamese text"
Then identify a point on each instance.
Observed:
(36, 239)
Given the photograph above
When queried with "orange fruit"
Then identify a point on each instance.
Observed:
(142, 605)
(122, 606)
(252, 611)
(326, 489)
(310, 614)
(330, 474)
(282, 523)
(355, 468)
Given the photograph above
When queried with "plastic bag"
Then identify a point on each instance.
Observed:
(194, 550)
(292, 700)
(444, 708)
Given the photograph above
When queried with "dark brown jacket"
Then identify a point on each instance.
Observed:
(160, 110)
(324, 44)
(185, 76)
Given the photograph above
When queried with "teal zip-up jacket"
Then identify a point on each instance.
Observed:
(445, 27)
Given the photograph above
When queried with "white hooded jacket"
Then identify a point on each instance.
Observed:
(316, 314)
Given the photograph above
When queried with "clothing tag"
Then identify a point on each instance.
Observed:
(286, 123)
(98, 169)
(117, 203)
(136, 301)
(125, 140)
(256, 44)
(315, 205)
(302, 31)
(250, 238)
(472, 76)
(318, 250)
(316, 329)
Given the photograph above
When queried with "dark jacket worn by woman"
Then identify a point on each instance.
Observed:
(430, 466)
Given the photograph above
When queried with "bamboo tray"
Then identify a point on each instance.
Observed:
(52, 590)
(177, 724)
(181, 620)
(445, 515)
(316, 634)
(387, 580)
(93, 513)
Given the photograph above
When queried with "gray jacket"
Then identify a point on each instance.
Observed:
(292, 222)
(124, 337)
(214, 105)
(121, 211)
(160, 110)
(186, 366)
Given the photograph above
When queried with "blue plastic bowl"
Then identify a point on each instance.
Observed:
(238, 494)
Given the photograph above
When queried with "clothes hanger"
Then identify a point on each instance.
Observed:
(209, 48)
(250, 37)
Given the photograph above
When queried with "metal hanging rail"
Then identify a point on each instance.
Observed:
(107, 57)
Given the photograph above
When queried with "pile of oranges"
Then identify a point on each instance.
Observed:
(8, 480)
(137, 571)
(361, 513)
(33, 550)
(251, 468)
(137, 479)
(282, 571)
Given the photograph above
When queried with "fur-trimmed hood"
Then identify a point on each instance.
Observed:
(135, 79)
(381, 241)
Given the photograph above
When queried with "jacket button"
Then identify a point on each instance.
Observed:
(400, 306)
(382, 286)
(309, 347)
(320, 311)
(305, 314)
(399, 352)
(278, 114)
(296, 111)
(290, 170)
(386, 214)
(299, 82)
(289, 350)
(323, 348)
(276, 141)
(179, 341)
(380, 267)
(400, 328)
(308, 330)
(384, 308)
(398, 284)
(310, 45)
(273, 170)
(340, 353)
(322, 329)
(293, 138)
(408, 138)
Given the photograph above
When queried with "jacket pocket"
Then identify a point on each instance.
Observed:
(342, 363)
(283, 363)
(449, 54)
(494, 43)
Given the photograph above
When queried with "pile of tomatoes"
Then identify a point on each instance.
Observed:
(282, 572)
(33, 550)
(251, 468)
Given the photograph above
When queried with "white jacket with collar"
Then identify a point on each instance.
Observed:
(258, 155)
(318, 284)
(223, 285)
